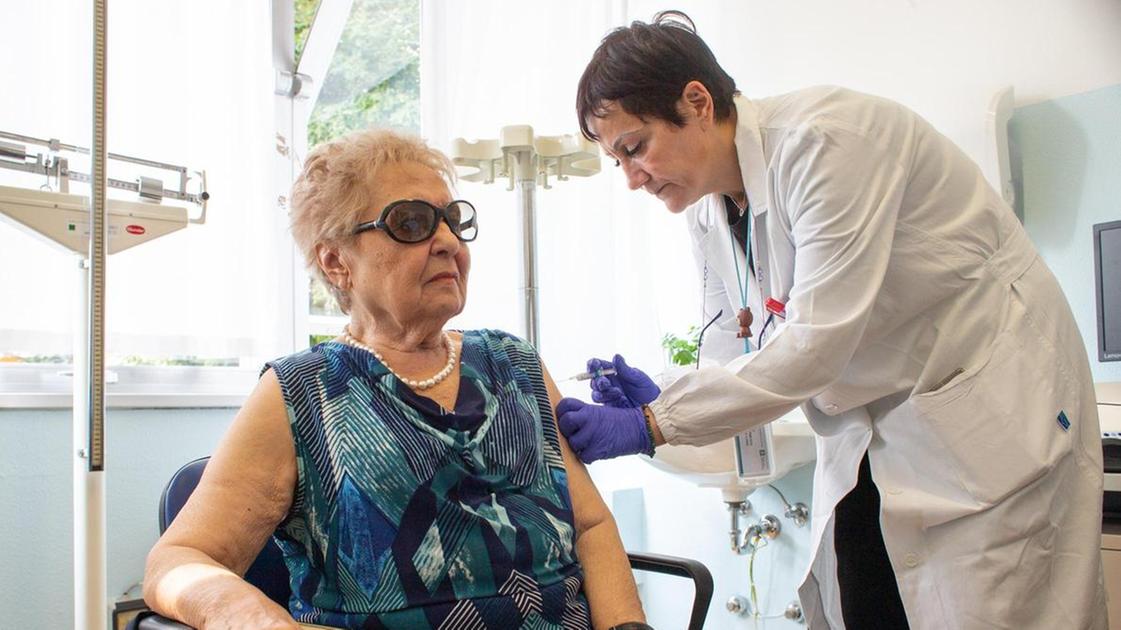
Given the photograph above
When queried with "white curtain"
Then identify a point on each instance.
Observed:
(615, 269)
(189, 83)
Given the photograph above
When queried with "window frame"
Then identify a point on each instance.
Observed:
(311, 68)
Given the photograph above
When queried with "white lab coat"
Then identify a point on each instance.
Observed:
(923, 327)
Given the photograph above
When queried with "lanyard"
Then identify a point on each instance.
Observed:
(742, 281)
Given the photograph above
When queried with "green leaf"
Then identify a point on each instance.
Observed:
(681, 351)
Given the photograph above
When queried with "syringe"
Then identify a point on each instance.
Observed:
(583, 376)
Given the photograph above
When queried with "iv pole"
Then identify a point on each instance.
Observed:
(527, 160)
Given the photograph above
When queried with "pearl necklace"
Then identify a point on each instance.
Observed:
(421, 384)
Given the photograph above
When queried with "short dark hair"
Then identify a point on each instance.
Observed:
(645, 67)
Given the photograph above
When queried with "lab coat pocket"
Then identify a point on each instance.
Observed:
(998, 424)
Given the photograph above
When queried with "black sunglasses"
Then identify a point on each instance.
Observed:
(415, 220)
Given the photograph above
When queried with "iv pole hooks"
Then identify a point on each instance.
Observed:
(527, 160)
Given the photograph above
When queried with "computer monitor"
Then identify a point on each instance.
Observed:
(1107, 282)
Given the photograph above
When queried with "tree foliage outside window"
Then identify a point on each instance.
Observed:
(373, 81)
(374, 78)
(304, 15)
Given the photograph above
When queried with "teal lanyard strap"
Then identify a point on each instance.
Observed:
(743, 280)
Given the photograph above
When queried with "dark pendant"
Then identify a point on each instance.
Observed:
(745, 318)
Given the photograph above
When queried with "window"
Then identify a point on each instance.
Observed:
(373, 80)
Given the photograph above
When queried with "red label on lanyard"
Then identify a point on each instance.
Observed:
(774, 306)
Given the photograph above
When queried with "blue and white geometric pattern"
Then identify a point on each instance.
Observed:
(410, 517)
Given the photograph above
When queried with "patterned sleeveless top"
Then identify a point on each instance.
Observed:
(407, 515)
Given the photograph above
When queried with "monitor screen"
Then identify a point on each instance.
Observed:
(1107, 280)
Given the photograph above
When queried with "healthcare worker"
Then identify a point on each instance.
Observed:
(896, 298)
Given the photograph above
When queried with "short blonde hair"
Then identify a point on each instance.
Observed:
(337, 184)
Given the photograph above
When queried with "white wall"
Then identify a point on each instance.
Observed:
(1070, 158)
(944, 59)
(143, 448)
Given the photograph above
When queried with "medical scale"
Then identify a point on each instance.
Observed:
(64, 219)
(92, 228)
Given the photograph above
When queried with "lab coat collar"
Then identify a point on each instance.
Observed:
(749, 151)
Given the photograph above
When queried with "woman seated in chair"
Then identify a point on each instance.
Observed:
(412, 476)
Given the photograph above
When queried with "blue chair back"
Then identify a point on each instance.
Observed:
(268, 572)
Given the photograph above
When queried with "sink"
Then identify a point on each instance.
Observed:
(714, 466)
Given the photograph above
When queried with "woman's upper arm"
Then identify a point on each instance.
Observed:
(248, 485)
(588, 508)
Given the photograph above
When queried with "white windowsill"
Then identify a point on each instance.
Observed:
(130, 387)
(125, 401)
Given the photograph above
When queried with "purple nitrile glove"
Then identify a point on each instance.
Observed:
(597, 432)
(628, 387)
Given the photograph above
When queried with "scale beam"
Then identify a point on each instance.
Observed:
(53, 166)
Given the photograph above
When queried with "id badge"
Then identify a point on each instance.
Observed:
(754, 450)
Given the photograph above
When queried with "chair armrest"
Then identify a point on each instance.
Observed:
(152, 621)
(653, 562)
(682, 567)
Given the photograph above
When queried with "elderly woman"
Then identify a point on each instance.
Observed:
(413, 476)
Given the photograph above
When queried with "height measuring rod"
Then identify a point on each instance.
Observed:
(90, 594)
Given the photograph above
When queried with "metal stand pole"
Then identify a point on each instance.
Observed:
(90, 593)
(526, 206)
(526, 169)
